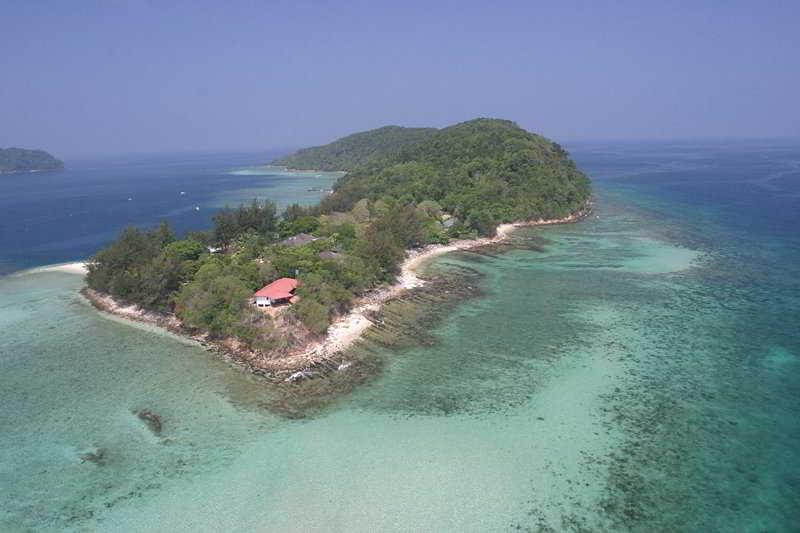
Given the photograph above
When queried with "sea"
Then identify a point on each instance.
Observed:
(53, 217)
(636, 371)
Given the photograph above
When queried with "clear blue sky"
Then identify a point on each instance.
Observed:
(81, 77)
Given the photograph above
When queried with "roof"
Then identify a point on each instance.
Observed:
(278, 289)
(328, 254)
(297, 240)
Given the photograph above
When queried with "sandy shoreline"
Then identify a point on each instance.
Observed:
(342, 333)
(78, 267)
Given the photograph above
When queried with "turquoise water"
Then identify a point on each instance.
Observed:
(636, 371)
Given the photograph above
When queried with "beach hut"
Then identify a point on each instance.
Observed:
(328, 254)
(297, 240)
(277, 292)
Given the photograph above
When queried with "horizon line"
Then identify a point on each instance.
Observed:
(288, 149)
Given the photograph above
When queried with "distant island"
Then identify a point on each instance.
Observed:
(280, 293)
(356, 150)
(23, 160)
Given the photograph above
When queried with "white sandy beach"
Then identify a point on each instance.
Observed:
(78, 267)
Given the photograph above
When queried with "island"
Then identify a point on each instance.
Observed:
(24, 160)
(280, 293)
(355, 150)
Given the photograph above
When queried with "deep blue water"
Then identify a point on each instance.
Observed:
(55, 217)
(750, 187)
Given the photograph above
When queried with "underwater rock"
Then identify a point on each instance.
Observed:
(152, 420)
(297, 376)
(95, 455)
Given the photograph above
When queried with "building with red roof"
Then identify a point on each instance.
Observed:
(279, 291)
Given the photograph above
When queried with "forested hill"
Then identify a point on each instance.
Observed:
(356, 149)
(484, 172)
(22, 160)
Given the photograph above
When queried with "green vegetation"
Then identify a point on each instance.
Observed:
(22, 160)
(483, 172)
(458, 181)
(355, 150)
(257, 218)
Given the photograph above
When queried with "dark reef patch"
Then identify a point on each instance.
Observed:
(403, 322)
(430, 379)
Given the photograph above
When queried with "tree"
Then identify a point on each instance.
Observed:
(402, 222)
(225, 226)
(185, 250)
(303, 224)
(380, 252)
(213, 302)
(259, 217)
(158, 282)
(295, 211)
(118, 269)
(314, 315)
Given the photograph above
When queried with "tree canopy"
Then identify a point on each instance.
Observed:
(484, 172)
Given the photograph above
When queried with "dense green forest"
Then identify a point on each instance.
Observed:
(459, 181)
(357, 149)
(484, 172)
(22, 160)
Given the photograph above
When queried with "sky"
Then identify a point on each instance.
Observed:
(108, 77)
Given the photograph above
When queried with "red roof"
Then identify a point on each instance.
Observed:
(279, 289)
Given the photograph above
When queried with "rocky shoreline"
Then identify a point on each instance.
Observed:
(229, 349)
(313, 355)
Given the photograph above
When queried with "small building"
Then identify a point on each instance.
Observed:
(328, 254)
(297, 240)
(278, 292)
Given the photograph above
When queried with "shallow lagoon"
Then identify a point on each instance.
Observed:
(635, 371)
